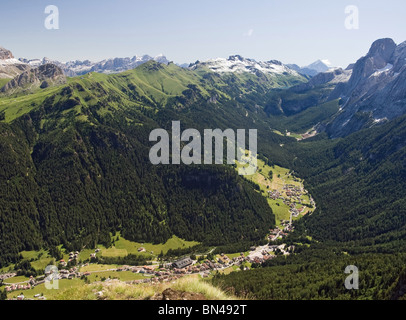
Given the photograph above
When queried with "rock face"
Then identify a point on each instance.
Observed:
(5, 54)
(333, 76)
(376, 91)
(41, 77)
(170, 294)
(10, 67)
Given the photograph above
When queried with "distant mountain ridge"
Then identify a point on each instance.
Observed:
(235, 64)
(114, 65)
(371, 91)
(238, 64)
(313, 69)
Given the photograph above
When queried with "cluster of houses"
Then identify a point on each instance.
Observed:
(62, 274)
(16, 286)
(260, 255)
(185, 266)
(204, 268)
(67, 274)
(144, 269)
(293, 194)
(296, 211)
(72, 256)
(160, 279)
(287, 226)
(277, 233)
(260, 260)
(26, 285)
(293, 191)
(223, 259)
(275, 194)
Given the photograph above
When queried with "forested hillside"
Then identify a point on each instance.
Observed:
(319, 276)
(75, 165)
(358, 185)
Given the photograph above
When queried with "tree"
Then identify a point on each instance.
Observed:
(3, 295)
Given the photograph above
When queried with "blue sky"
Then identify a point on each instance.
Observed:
(293, 31)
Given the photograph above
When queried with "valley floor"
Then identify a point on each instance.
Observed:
(285, 195)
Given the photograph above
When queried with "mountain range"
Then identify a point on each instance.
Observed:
(238, 64)
(114, 65)
(234, 63)
(371, 90)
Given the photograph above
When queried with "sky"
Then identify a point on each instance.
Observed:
(292, 31)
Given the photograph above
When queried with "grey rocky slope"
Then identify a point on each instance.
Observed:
(376, 91)
(33, 78)
(9, 66)
(5, 54)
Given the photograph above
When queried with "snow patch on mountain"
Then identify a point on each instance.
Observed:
(238, 64)
(388, 67)
(9, 62)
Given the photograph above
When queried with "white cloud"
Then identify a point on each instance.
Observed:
(249, 33)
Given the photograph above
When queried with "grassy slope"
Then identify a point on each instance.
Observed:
(121, 291)
(122, 247)
(150, 85)
(76, 289)
(16, 106)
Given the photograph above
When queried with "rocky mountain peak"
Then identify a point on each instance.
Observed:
(379, 57)
(49, 71)
(41, 77)
(376, 91)
(5, 54)
(382, 48)
(236, 58)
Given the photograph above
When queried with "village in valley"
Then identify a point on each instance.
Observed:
(204, 266)
(292, 197)
(285, 194)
